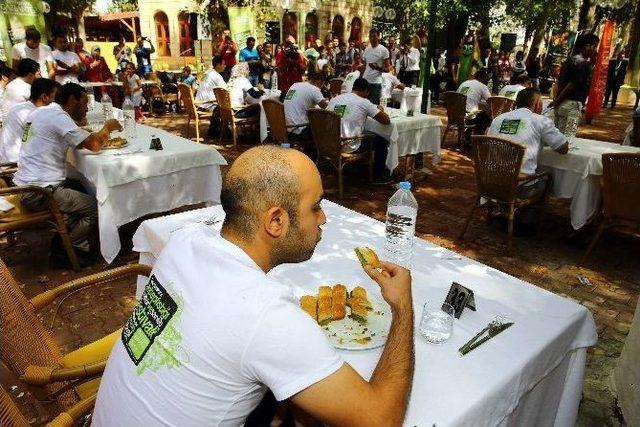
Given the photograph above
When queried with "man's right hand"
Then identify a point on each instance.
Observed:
(112, 125)
(395, 284)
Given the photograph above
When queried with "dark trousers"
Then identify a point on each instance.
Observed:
(611, 90)
(411, 78)
(435, 87)
(380, 148)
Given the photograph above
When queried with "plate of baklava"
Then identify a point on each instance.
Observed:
(352, 319)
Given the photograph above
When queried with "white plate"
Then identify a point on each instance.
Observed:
(343, 334)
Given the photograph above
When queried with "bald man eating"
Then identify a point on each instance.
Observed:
(212, 331)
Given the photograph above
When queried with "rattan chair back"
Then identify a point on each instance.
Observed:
(274, 112)
(635, 132)
(186, 96)
(456, 104)
(10, 415)
(621, 186)
(223, 99)
(499, 105)
(325, 128)
(497, 163)
(25, 341)
(335, 87)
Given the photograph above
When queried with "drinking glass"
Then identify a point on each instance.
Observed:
(436, 323)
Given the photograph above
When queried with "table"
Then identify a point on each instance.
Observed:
(269, 94)
(408, 135)
(576, 175)
(136, 181)
(531, 374)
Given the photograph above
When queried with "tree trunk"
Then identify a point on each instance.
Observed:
(79, 18)
(586, 16)
(633, 49)
(539, 31)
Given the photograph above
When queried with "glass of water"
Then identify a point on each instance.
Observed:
(436, 323)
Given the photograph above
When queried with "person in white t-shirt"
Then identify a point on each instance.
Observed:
(205, 97)
(242, 91)
(213, 330)
(354, 108)
(376, 60)
(477, 94)
(299, 98)
(511, 91)
(31, 48)
(67, 63)
(527, 126)
(19, 89)
(50, 131)
(43, 92)
(389, 83)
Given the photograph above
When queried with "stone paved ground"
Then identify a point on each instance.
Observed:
(548, 260)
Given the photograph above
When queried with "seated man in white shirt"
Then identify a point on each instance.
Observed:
(511, 91)
(477, 94)
(299, 98)
(50, 132)
(19, 89)
(205, 98)
(527, 126)
(67, 63)
(354, 108)
(389, 83)
(43, 92)
(213, 331)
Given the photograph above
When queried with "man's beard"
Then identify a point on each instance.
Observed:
(295, 247)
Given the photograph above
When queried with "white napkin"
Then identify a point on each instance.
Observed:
(5, 205)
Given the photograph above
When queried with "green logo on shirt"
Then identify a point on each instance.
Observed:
(290, 95)
(150, 335)
(464, 90)
(341, 110)
(510, 127)
(27, 132)
(510, 94)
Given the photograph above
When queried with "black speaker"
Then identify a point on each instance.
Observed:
(508, 42)
(272, 32)
(193, 26)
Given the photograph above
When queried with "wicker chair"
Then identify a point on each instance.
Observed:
(497, 163)
(335, 87)
(278, 128)
(499, 105)
(30, 351)
(325, 128)
(228, 114)
(186, 96)
(7, 170)
(620, 186)
(456, 104)
(18, 219)
(635, 132)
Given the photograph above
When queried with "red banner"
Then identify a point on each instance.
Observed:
(599, 78)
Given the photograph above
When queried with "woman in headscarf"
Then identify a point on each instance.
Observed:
(242, 92)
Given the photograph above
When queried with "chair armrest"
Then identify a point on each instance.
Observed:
(530, 178)
(47, 297)
(68, 417)
(352, 138)
(203, 101)
(8, 165)
(43, 375)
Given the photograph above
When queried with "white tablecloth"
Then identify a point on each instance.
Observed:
(576, 175)
(144, 181)
(408, 135)
(531, 374)
(275, 94)
(398, 95)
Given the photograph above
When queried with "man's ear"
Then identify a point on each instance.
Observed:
(275, 222)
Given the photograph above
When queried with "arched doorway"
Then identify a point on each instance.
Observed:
(310, 29)
(184, 34)
(162, 33)
(356, 30)
(290, 25)
(337, 27)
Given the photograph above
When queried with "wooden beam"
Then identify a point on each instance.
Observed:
(133, 30)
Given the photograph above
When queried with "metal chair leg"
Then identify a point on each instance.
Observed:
(593, 242)
(61, 228)
(340, 187)
(234, 131)
(222, 124)
(510, 227)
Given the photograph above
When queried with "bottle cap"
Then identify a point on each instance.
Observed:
(405, 185)
(285, 145)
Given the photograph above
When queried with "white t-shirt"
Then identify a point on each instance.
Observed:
(349, 79)
(530, 129)
(238, 87)
(211, 332)
(12, 131)
(16, 91)
(374, 55)
(132, 82)
(41, 55)
(300, 97)
(511, 91)
(389, 81)
(413, 59)
(212, 79)
(51, 131)
(477, 94)
(353, 110)
(69, 58)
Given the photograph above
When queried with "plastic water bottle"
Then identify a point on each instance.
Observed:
(402, 212)
(274, 81)
(107, 107)
(129, 117)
